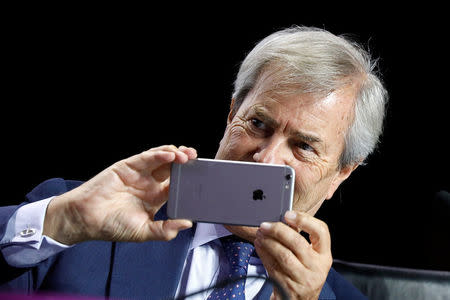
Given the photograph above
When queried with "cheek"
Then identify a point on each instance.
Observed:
(311, 186)
(233, 142)
(311, 174)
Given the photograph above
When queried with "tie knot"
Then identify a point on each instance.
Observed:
(238, 251)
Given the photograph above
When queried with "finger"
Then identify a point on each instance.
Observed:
(166, 230)
(278, 256)
(273, 269)
(163, 172)
(158, 195)
(130, 171)
(189, 151)
(150, 159)
(155, 157)
(291, 239)
(318, 231)
(184, 154)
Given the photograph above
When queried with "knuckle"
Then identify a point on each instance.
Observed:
(291, 286)
(322, 229)
(324, 225)
(270, 264)
(299, 242)
(302, 219)
(271, 231)
(276, 228)
(285, 257)
(163, 148)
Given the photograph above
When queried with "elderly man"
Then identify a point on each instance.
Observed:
(303, 97)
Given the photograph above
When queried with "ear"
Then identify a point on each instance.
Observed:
(232, 112)
(343, 174)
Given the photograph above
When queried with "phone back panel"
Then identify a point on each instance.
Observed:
(230, 192)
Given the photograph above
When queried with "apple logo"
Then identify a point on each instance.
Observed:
(258, 195)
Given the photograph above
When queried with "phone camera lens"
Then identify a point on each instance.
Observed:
(288, 177)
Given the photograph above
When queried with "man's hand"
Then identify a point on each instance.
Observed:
(119, 204)
(300, 267)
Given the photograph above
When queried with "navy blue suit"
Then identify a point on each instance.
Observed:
(149, 270)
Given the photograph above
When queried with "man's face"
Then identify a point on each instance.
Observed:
(298, 130)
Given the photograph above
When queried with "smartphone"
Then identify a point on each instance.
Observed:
(230, 192)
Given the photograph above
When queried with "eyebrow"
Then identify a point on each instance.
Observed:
(260, 113)
(307, 137)
(272, 123)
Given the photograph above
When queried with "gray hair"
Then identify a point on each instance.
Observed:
(316, 61)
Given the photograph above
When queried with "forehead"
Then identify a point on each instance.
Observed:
(335, 109)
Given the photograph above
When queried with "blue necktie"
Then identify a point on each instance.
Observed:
(238, 253)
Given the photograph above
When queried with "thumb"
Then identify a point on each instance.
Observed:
(168, 229)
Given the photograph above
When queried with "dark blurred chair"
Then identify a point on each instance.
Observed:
(437, 248)
(381, 282)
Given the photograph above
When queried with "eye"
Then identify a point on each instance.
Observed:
(257, 123)
(260, 128)
(305, 146)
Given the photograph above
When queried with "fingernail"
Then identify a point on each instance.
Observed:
(265, 226)
(291, 215)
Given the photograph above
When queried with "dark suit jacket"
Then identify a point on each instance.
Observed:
(149, 270)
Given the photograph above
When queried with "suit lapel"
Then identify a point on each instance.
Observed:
(327, 292)
(265, 291)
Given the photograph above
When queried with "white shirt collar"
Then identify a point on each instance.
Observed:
(207, 232)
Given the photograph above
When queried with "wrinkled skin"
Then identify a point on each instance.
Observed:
(306, 133)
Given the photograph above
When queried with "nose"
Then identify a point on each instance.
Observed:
(272, 151)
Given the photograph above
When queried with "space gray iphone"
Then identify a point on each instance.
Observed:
(230, 192)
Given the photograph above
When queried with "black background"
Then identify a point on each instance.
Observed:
(84, 87)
